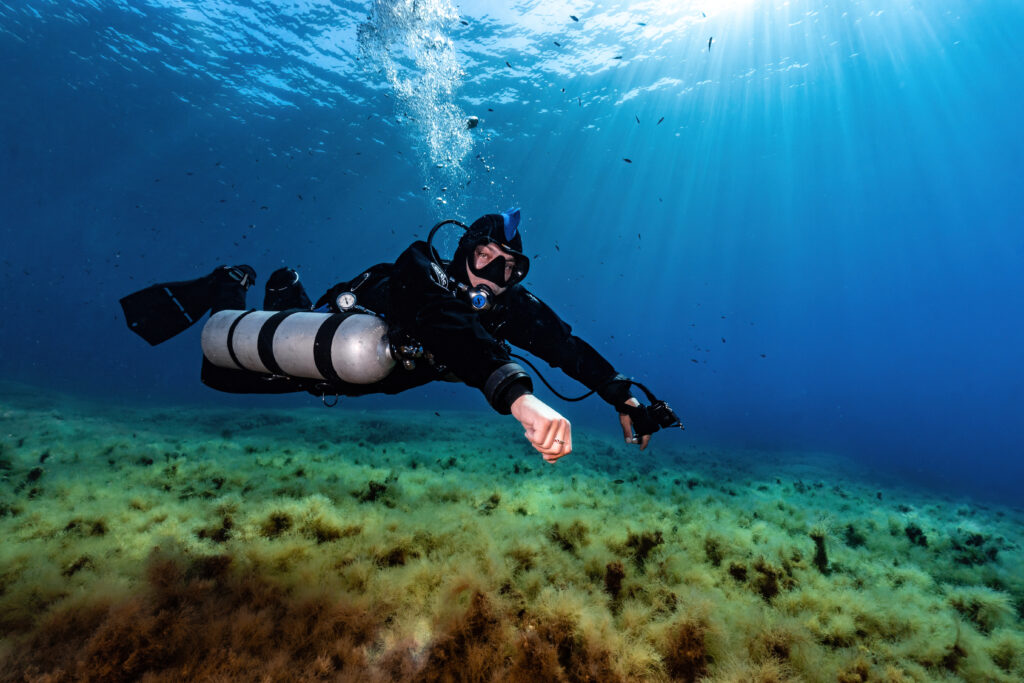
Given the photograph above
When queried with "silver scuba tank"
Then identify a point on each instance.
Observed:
(350, 347)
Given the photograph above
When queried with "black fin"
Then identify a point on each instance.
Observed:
(162, 311)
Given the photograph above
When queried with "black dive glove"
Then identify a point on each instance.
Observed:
(644, 422)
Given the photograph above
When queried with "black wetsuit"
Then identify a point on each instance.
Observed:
(465, 344)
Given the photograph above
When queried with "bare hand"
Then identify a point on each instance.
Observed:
(546, 430)
(627, 427)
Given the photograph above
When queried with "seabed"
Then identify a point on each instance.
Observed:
(209, 544)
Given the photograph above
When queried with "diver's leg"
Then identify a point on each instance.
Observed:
(228, 287)
(284, 291)
(164, 310)
(227, 291)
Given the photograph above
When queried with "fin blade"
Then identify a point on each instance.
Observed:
(162, 311)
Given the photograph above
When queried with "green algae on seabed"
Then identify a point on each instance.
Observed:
(197, 543)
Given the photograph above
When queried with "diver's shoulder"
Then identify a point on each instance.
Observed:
(416, 251)
(419, 247)
(519, 295)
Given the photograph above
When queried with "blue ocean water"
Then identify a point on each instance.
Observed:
(800, 222)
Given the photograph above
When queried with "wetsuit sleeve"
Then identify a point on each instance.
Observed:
(533, 326)
(450, 329)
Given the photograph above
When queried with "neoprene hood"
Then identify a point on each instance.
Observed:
(501, 229)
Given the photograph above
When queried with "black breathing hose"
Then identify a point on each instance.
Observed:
(553, 390)
(662, 413)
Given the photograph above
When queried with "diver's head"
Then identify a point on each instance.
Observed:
(491, 253)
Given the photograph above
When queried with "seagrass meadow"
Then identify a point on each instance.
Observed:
(797, 222)
(183, 543)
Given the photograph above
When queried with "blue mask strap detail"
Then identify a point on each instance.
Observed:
(511, 220)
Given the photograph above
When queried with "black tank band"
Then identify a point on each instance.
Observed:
(231, 340)
(322, 347)
(265, 342)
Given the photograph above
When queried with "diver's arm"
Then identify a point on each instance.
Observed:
(533, 326)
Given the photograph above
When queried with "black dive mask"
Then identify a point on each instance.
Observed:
(494, 271)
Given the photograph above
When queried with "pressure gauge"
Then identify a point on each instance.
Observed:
(345, 301)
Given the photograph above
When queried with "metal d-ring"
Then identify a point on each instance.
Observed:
(323, 399)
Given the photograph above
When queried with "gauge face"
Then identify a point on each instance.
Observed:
(346, 300)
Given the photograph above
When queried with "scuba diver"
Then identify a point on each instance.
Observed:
(397, 326)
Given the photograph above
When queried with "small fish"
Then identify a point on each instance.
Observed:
(472, 122)
(660, 120)
(628, 161)
(694, 360)
(563, 89)
(556, 247)
(709, 43)
(619, 481)
(437, 413)
(508, 65)
(617, 57)
(703, 16)
(463, 22)
(558, 44)
(637, 117)
(763, 356)
(579, 101)
(641, 23)
(299, 196)
(574, 17)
